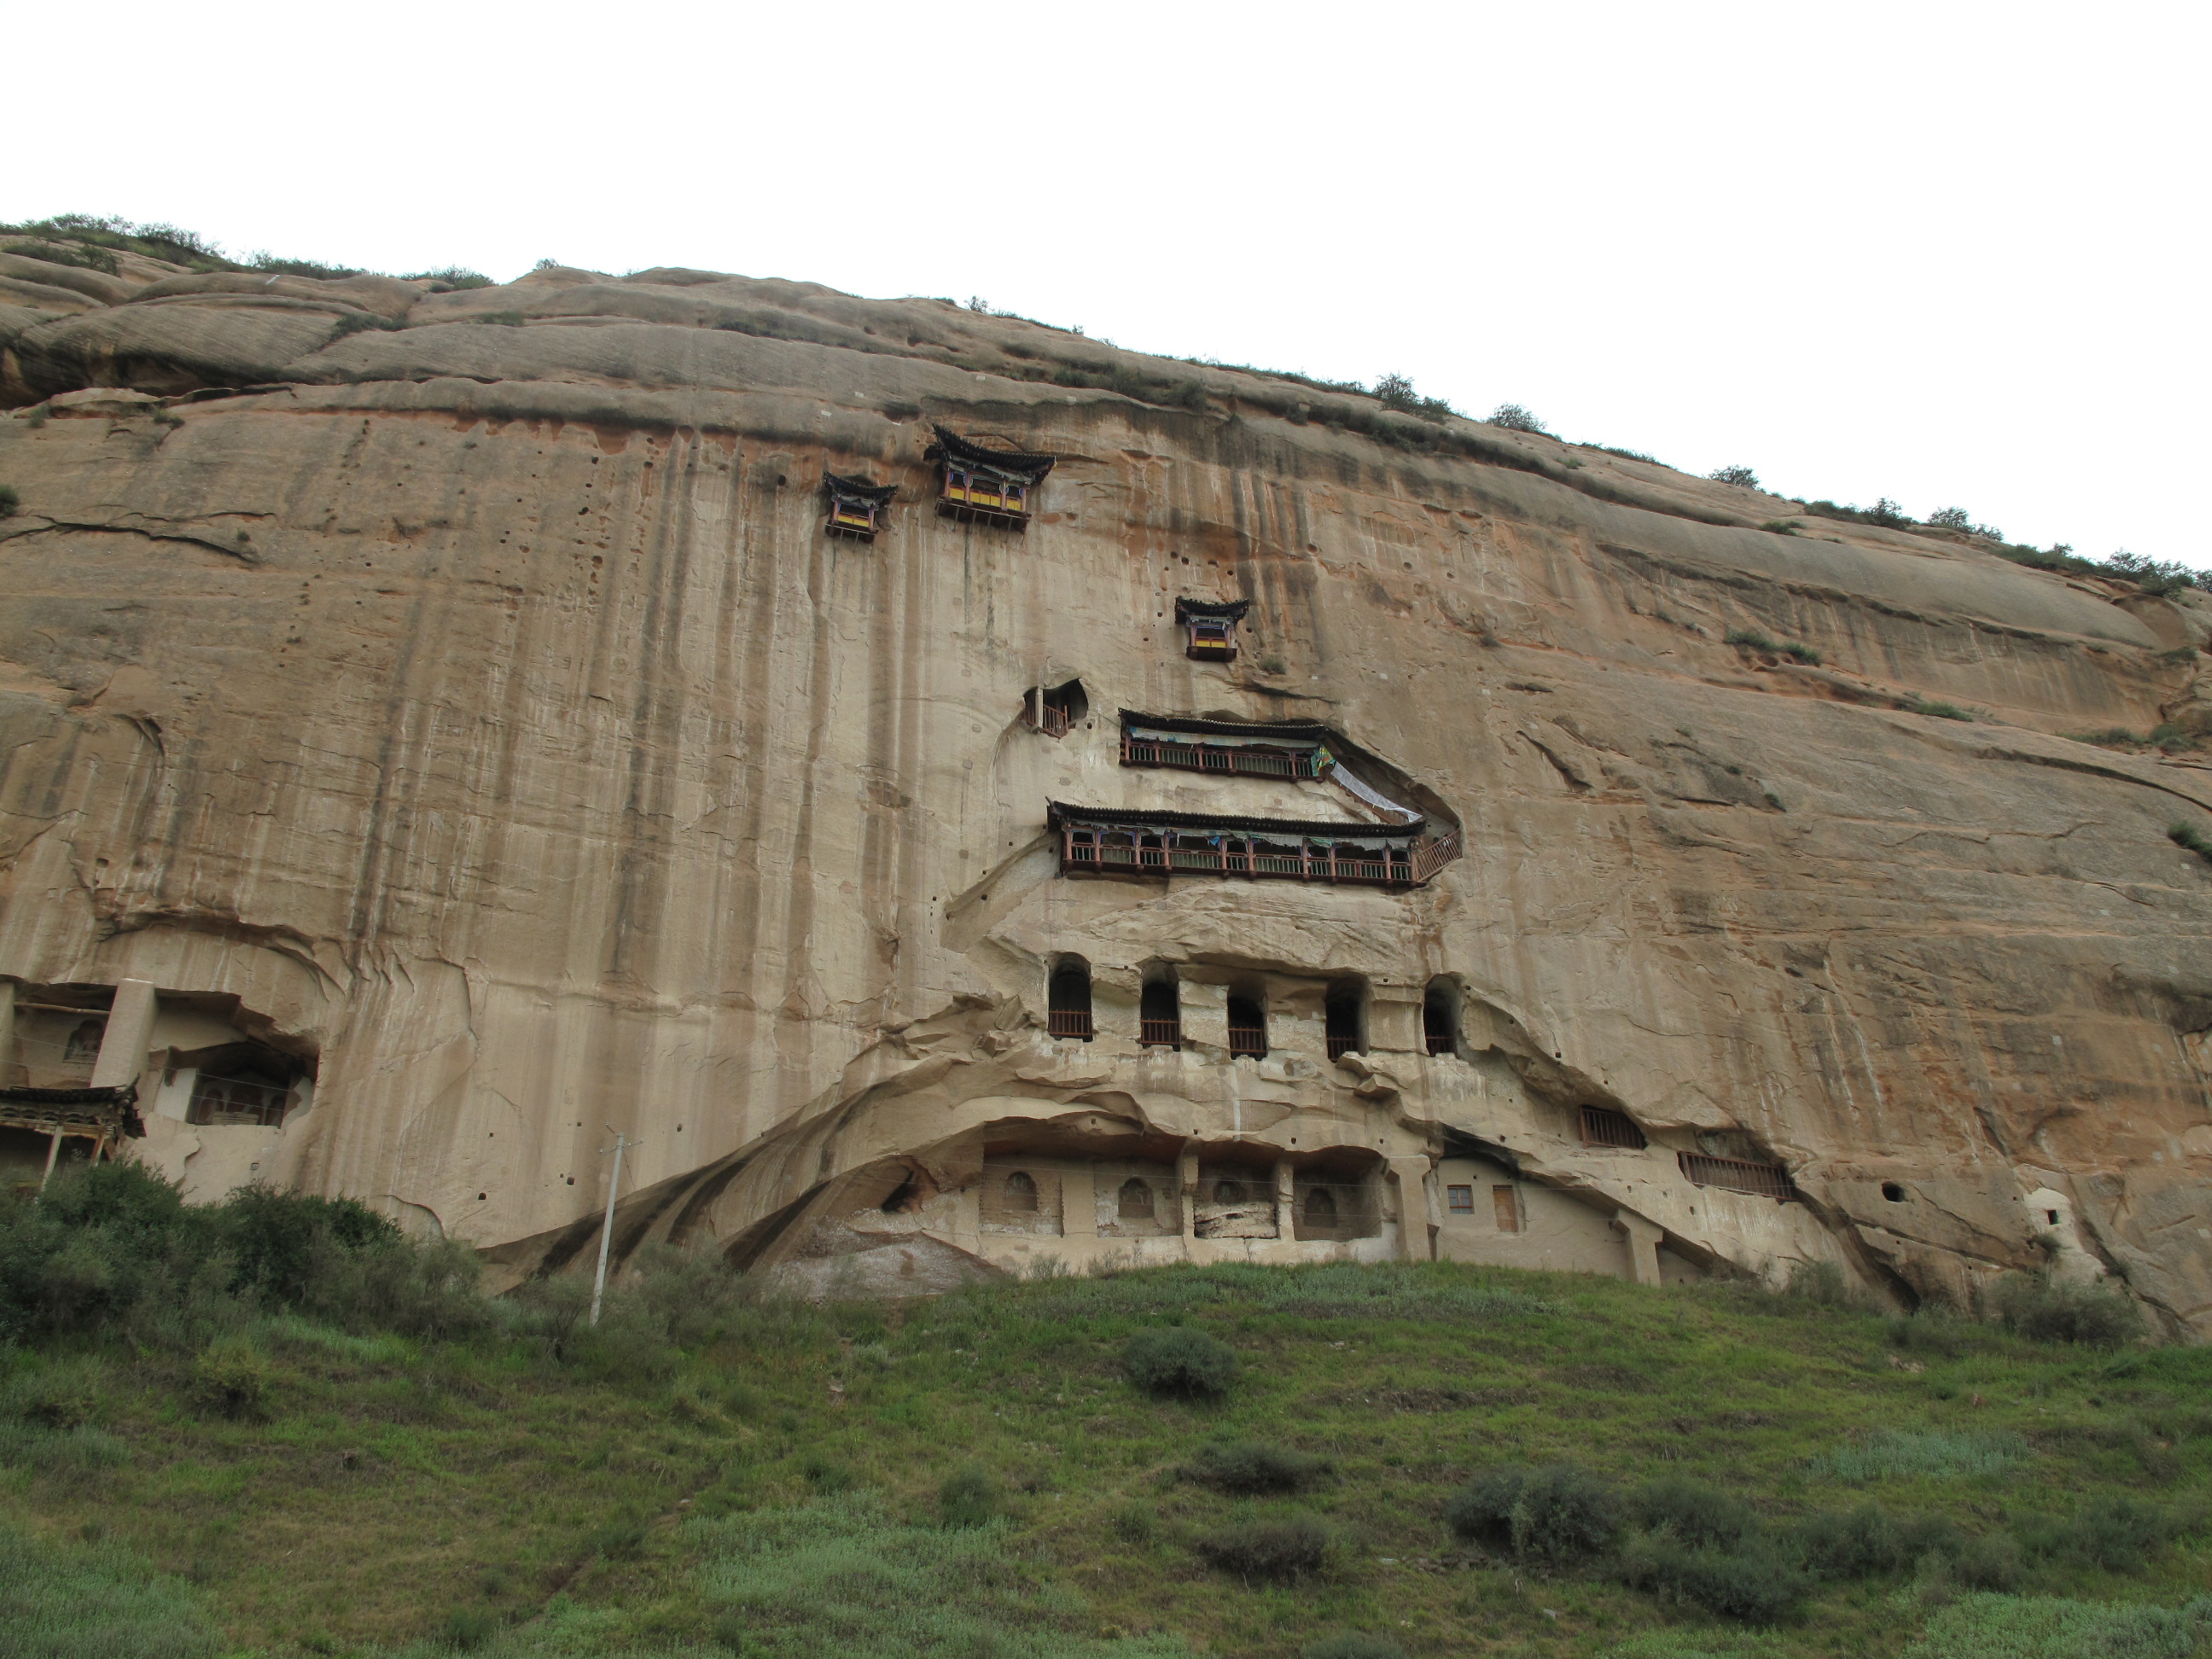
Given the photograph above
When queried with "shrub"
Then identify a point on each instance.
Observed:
(968, 1499)
(1693, 1515)
(1917, 704)
(500, 318)
(1991, 1562)
(1556, 1514)
(1354, 1644)
(1780, 526)
(466, 1628)
(2187, 836)
(1396, 392)
(1270, 1551)
(1750, 636)
(1754, 1581)
(2116, 1533)
(233, 1377)
(1180, 1361)
(9, 500)
(452, 277)
(359, 322)
(1870, 1540)
(1743, 477)
(1248, 1467)
(59, 1394)
(1514, 418)
(617, 1540)
(1482, 1510)
(2045, 1310)
(1271, 664)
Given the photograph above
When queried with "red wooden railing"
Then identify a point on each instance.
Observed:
(1053, 722)
(1340, 1046)
(1234, 856)
(1160, 1033)
(1739, 1174)
(1256, 760)
(1247, 1040)
(1070, 1022)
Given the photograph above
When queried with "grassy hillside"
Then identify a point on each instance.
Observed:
(977, 1476)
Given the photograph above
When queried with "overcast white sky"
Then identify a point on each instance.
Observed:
(1951, 253)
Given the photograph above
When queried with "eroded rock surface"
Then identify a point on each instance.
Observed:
(459, 693)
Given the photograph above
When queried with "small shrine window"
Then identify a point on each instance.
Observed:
(1137, 1201)
(83, 1047)
(1160, 1013)
(1053, 710)
(1440, 1017)
(1021, 1192)
(1248, 1027)
(1321, 1207)
(1210, 629)
(1344, 1014)
(856, 506)
(1068, 997)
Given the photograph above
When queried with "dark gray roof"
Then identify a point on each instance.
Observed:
(1290, 829)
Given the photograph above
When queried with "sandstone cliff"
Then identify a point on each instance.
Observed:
(452, 705)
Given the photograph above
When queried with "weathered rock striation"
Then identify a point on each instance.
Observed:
(442, 732)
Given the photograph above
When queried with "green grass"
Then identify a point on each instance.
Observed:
(1929, 1454)
(93, 1602)
(786, 1483)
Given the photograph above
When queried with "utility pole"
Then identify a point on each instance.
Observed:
(607, 1228)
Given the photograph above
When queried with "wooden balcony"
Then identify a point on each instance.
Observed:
(1247, 760)
(1134, 843)
(1070, 1022)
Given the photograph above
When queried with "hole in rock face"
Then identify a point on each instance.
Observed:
(2050, 1217)
(1892, 1191)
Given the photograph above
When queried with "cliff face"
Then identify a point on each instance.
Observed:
(475, 715)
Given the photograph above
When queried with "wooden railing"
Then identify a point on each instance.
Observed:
(1340, 1046)
(1160, 1033)
(1255, 760)
(1248, 1040)
(1739, 1174)
(1439, 1042)
(1053, 722)
(1170, 854)
(1069, 1023)
(1603, 1126)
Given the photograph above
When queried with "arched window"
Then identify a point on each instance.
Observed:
(1137, 1201)
(1160, 1023)
(1440, 1017)
(83, 1045)
(1068, 998)
(1248, 1026)
(1345, 1010)
(1321, 1207)
(1229, 1192)
(1021, 1192)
